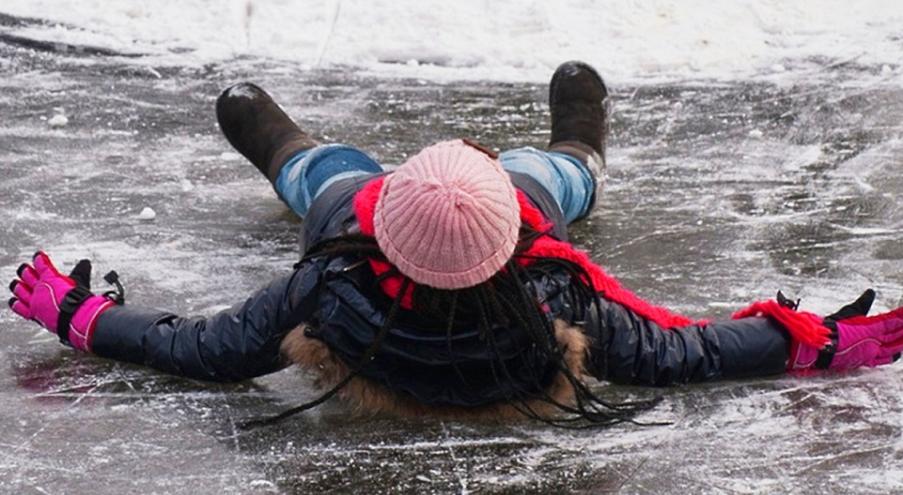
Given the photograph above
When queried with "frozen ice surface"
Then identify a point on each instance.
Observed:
(741, 189)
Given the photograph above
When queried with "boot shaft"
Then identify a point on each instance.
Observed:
(578, 103)
(258, 128)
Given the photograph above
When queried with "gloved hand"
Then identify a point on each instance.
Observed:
(856, 339)
(64, 305)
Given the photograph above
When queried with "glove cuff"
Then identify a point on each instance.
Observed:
(802, 356)
(84, 321)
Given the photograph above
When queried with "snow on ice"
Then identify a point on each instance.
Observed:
(490, 39)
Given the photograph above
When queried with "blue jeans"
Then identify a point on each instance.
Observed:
(310, 172)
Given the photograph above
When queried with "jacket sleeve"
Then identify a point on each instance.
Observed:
(235, 344)
(627, 348)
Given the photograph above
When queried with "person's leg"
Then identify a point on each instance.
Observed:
(259, 129)
(308, 173)
(564, 176)
(573, 168)
(297, 166)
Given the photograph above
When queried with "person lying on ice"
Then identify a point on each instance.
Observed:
(448, 287)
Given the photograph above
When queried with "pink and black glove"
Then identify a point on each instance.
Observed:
(62, 304)
(856, 339)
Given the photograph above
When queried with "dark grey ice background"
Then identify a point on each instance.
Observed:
(718, 194)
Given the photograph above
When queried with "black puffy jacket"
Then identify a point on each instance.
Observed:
(343, 307)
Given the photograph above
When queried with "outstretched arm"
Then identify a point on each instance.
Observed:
(236, 344)
(633, 350)
(769, 337)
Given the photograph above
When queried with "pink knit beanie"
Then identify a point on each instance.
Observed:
(448, 217)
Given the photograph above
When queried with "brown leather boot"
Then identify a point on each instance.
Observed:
(578, 101)
(258, 129)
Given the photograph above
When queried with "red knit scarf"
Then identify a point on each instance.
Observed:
(803, 327)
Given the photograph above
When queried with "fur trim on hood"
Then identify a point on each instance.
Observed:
(370, 398)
